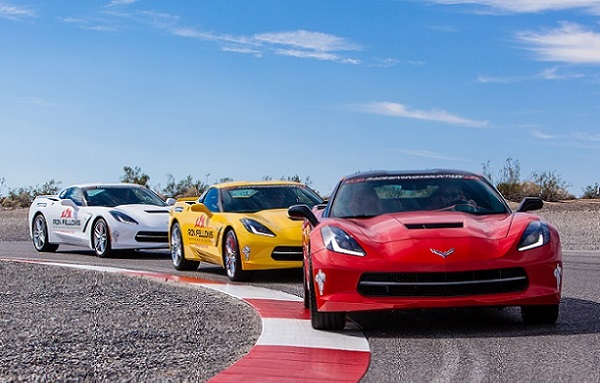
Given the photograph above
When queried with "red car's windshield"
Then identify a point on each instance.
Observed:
(372, 196)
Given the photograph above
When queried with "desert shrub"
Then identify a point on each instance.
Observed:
(187, 187)
(509, 183)
(551, 186)
(22, 197)
(547, 185)
(591, 191)
(135, 176)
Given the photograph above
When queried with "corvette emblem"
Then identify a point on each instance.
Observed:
(443, 254)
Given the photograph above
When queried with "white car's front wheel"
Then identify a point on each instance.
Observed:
(101, 239)
(39, 234)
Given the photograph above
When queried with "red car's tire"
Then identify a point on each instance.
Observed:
(323, 320)
(542, 314)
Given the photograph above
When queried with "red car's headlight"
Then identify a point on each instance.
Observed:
(535, 235)
(336, 239)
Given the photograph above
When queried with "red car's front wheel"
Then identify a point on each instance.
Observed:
(323, 320)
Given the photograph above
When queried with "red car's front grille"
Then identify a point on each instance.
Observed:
(443, 284)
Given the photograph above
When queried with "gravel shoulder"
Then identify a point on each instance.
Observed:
(65, 325)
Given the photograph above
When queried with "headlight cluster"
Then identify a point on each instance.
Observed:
(122, 217)
(256, 227)
(336, 239)
(535, 235)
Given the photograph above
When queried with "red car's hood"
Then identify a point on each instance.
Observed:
(433, 236)
(434, 225)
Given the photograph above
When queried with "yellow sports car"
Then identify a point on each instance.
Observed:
(242, 226)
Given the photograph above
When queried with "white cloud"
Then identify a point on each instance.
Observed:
(427, 154)
(570, 43)
(114, 3)
(12, 12)
(243, 50)
(543, 136)
(583, 136)
(530, 6)
(400, 110)
(554, 73)
(307, 41)
(301, 44)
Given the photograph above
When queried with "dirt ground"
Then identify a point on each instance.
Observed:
(577, 221)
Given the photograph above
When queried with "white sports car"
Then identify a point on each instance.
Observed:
(103, 217)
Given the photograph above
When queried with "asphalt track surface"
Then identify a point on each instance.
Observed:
(450, 345)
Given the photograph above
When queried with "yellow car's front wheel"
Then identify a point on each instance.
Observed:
(178, 251)
(232, 259)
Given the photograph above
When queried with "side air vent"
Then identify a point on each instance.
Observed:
(448, 225)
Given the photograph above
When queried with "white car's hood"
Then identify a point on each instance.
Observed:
(148, 214)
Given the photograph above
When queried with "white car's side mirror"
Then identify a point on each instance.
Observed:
(171, 201)
(68, 202)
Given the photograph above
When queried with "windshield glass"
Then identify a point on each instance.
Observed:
(371, 196)
(253, 198)
(111, 196)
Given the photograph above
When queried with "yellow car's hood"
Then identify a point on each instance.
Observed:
(277, 220)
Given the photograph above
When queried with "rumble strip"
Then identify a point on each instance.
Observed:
(288, 349)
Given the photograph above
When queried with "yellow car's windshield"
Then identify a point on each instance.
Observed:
(253, 198)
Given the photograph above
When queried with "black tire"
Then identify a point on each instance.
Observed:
(542, 314)
(178, 251)
(306, 292)
(331, 321)
(39, 235)
(101, 239)
(231, 258)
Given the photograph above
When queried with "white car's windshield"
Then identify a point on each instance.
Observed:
(372, 196)
(112, 196)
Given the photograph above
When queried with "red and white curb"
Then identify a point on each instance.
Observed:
(288, 349)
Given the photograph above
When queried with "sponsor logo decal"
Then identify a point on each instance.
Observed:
(443, 254)
(66, 219)
(199, 230)
(558, 276)
(320, 279)
(201, 221)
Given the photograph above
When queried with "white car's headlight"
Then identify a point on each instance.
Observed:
(336, 239)
(122, 217)
(535, 235)
(256, 227)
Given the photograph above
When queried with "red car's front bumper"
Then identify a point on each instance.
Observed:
(533, 278)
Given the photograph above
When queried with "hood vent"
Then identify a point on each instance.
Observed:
(443, 225)
(156, 211)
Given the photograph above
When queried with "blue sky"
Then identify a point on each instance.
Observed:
(248, 89)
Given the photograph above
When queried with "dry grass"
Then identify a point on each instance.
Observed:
(577, 221)
(13, 225)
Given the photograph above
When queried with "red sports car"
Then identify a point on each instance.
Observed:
(427, 239)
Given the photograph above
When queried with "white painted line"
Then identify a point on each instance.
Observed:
(299, 333)
(252, 292)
